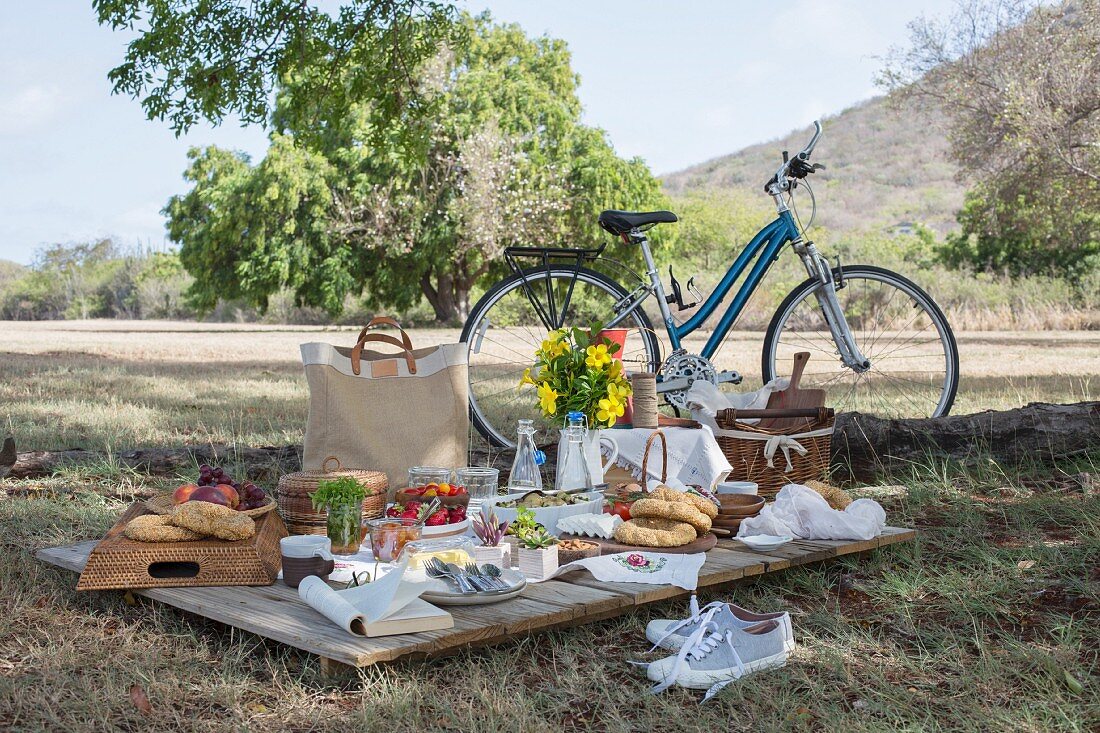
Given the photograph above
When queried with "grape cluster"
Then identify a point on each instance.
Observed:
(251, 495)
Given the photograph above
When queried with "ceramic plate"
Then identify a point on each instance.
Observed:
(445, 530)
(442, 593)
(764, 541)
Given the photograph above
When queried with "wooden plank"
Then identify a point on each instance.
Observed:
(277, 613)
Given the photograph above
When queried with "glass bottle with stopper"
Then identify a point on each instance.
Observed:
(525, 474)
(573, 472)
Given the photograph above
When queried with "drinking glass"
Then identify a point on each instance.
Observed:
(424, 475)
(389, 535)
(478, 480)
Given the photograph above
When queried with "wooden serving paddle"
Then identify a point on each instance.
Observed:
(793, 397)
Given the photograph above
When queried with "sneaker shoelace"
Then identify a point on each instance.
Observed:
(698, 616)
(706, 639)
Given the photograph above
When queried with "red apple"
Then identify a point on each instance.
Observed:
(183, 493)
(215, 495)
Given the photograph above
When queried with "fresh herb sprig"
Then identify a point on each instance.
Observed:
(337, 492)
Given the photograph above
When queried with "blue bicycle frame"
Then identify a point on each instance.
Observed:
(764, 249)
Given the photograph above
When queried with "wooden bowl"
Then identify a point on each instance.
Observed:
(739, 505)
(402, 497)
(590, 549)
(730, 523)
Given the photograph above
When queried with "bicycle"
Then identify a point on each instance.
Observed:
(887, 346)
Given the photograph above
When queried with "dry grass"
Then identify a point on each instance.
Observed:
(121, 384)
(951, 632)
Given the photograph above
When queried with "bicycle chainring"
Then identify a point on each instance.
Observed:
(681, 364)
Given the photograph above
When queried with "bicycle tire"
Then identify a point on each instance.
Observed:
(497, 437)
(805, 289)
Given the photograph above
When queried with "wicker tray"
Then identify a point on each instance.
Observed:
(163, 504)
(118, 562)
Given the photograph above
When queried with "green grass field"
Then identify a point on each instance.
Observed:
(989, 621)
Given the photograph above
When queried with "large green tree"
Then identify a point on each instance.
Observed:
(189, 60)
(408, 206)
(1019, 85)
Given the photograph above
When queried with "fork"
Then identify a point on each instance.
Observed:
(490, 583)
(436, 569)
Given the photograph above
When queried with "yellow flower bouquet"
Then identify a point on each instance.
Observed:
(576, 370)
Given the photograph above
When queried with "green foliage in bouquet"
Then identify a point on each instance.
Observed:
(576, 370)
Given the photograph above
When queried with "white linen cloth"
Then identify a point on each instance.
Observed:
(705, 400)
(652, 568)
(802, 513)
(694, 457)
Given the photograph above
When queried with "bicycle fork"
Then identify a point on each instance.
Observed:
(818, 269)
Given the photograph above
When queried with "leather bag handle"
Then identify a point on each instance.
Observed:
(406, 342)
(357, 351)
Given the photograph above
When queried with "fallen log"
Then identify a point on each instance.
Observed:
(864, 447)
(266, 463)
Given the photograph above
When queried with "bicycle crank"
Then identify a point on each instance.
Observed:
(681, 370)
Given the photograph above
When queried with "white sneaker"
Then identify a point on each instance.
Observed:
(713, 657)
(671, 634)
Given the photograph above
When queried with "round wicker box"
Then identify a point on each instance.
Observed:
(297, 508)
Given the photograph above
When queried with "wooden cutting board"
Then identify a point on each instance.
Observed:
(793, 397)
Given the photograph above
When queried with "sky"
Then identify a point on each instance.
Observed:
(676, 83)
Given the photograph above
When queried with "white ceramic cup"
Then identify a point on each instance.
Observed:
(306, 545)
(737, 487)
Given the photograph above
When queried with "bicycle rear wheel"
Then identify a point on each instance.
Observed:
(903, 333)
(504, 329)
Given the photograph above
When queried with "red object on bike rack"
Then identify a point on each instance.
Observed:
(618, 336)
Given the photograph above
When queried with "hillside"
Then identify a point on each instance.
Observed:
(9, 271)
(884, 166)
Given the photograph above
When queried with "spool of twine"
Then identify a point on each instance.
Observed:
(644, 385)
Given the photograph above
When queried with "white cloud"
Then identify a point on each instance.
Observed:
(29, 108)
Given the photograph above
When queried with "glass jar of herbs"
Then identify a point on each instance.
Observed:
(342, 499)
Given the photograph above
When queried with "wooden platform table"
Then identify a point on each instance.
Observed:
(276, 612)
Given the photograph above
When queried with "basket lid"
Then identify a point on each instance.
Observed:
(306, 480)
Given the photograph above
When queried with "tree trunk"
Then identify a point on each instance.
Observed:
(866, 447)
(264, 464)
(441, 297)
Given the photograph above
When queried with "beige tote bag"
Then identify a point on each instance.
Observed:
(385, 411)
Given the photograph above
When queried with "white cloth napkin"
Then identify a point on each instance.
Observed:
(705, 400)
(802, 513)
(653, 568)
(694, 457)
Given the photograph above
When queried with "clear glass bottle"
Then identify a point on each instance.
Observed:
(525, 473)
(574, 473)
(574, 419)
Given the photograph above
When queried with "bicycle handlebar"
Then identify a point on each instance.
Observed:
(779, 182)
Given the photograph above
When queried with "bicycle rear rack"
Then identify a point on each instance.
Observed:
(546, 256)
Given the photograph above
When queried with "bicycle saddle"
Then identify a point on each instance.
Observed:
(621, 222)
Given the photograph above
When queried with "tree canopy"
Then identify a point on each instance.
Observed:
(409, 205)
(1020, 86)
(206, 59)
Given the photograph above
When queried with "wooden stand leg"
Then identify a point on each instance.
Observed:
(330, 669)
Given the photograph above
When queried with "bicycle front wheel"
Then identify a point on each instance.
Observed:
(914, 368)
(504, 330)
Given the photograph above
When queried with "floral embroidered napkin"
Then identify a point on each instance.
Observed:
(653, 568)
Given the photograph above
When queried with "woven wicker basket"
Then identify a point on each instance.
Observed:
(119, 562)
(297, 508)
(746, 447)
